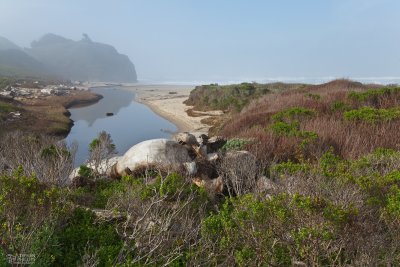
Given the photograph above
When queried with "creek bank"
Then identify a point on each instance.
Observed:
(47, 115)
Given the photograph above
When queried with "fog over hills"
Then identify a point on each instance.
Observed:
(14, 61)
(83, 60)
(6, 44)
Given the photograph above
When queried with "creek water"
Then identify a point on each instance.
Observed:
(131, 122)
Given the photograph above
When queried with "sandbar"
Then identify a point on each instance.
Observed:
(167, 101)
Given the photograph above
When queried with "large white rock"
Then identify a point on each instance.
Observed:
(73, 174)
(104, 168)
(185, 138)
(162, 152)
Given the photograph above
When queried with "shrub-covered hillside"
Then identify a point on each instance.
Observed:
(324, 190)
(348, 117)
(232, 97)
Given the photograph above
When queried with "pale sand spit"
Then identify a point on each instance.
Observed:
(167, 102)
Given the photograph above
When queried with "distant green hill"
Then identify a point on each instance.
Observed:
(15, 62)
(6, 44)
(83, 60)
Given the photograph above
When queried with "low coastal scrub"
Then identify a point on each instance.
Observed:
(372, 115)
(329, 212)
(235, 144)
(373, 96)
(324, 191)
(287, 122)
(232, 97)
(350, 117)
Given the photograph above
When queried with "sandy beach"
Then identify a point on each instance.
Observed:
(167, 102)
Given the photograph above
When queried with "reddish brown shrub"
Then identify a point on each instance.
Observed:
(330, 100)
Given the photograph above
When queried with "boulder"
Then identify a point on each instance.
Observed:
(186, 138)
(193, 152)
(202, 138)
(73, 174)
(191, 167)
(215, 143)
(104, 169)
(212, 157)
(155, 152)
(214, 186)
(201, 151)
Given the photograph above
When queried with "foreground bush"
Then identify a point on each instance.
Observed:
(29, 214)
(334, 213)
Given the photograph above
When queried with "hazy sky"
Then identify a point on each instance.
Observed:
(224, 39)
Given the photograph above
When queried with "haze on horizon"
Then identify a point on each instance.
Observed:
(179, 40)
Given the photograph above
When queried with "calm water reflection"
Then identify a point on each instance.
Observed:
(132, 122)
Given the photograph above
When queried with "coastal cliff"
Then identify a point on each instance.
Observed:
(83, 60)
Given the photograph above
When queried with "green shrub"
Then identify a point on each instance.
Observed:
(52, 152)
(232, 97)
(313, 96)
(287, 123)
(285, 129)
(295, 113)
(372, 115)
(235, 144)
(329, 163)
(3, 258)
(309, 220)
(81, 233)
(93, 144)
(373, 94)
(378, 161)
(46, 245)
(392, 208)
(290, 168)
(340, 106)
(85, 171)
(103, 139)
(308, 137)
(172, 185)
(97, 193)
(245, 256)
(378, 177)
(27, 208)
